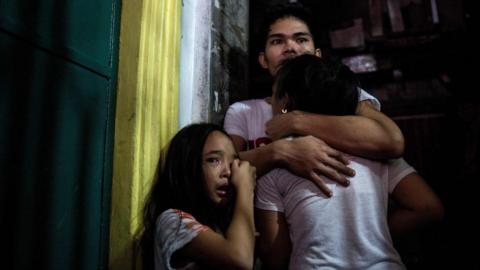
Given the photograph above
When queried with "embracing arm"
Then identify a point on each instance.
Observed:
(263, 158)
(415, 205)
(235, 250)
(370, 133)
(306, 156)
(274, 241)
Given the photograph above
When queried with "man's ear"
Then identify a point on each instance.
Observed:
(318, 52)
(262, 60)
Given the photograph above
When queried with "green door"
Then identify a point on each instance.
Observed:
(58, 62)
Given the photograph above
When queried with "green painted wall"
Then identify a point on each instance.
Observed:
(58, 62)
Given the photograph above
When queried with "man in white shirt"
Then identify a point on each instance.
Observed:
(287, 34)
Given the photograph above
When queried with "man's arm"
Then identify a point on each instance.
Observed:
(306, 156)
(274, 242)
(415, 205)
(370, 133)
(261, 157)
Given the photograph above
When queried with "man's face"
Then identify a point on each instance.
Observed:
(288, 37)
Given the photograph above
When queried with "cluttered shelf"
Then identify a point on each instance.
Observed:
(404, 64)
(401, 50)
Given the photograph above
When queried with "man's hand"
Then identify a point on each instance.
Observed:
(311, 157)
(281, 125)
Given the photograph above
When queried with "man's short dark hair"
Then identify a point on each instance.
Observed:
(280, 11)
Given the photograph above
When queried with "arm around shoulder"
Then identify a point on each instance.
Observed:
(370, 133)
(394, 143)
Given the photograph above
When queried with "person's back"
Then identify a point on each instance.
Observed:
(346, 231)
(351, 229)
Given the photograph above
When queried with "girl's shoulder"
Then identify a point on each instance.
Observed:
(179, 220)
(174, 229)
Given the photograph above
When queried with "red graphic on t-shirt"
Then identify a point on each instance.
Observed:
(259, 142)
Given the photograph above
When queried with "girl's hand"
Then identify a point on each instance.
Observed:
(243, 175)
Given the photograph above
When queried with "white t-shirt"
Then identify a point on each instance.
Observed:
(247, 119)
(347, 231)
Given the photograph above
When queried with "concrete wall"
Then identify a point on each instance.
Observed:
(214, 58)
(229, 55)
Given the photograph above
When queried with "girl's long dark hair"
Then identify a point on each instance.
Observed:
(179, 184)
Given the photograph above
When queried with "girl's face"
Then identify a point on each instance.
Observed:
(277, 104)
(218, 155)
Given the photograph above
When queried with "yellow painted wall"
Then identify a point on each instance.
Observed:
(146, 112)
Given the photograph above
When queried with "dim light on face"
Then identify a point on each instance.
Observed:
(218, 155)
(288, 37)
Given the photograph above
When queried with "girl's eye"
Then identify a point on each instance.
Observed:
(213, 161)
